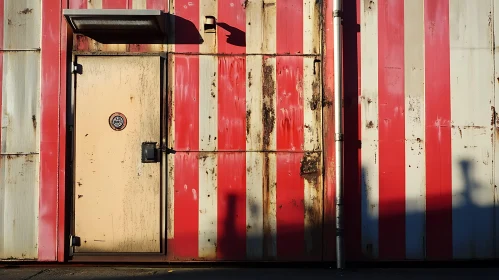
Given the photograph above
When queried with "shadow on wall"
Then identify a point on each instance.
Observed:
(473, 220)
(179, 31)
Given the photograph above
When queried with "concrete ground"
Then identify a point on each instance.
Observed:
(125, 273)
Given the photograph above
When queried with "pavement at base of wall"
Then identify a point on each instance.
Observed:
(144, 273)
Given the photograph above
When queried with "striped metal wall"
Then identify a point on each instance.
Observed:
(420, 129)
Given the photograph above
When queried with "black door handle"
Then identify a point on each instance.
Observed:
(151, 154)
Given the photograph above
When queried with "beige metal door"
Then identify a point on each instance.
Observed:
(117, 196)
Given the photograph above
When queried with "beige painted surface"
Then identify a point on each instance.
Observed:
(117, 197)
(19, 206)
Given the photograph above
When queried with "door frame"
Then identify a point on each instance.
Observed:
(70, 170)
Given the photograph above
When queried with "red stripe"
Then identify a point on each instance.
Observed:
(231, 210)
(391, 106)
(114, 4)
(49, 130)
(78, 4)
(81, 42)
(289, 26)
(186, 181)
(290, 185)
(61, 225)
(438, 130)
(351, 71)
(157, 4)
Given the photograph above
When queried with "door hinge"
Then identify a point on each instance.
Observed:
(77, 68)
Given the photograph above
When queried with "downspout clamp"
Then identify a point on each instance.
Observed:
(338, 130)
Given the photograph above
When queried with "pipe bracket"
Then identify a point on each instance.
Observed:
(338, 136)
(337, 13)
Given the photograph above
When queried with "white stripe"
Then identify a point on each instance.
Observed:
(495, 139)
(311, 27)
(208, 102)
(313, 187)
(369, 128)
(170, 202)
(472, 93)
(207, 205)
(254, 160)
(254, 205)
(312, 107)
(139, 4)
(209, 45)
(255, 26)
(415, 185)
(94, 4)
(269, 27)
(271, 220)
(208, 132)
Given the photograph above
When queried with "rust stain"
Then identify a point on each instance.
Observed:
(267, 230)
(170, 100)
(419, 140)
(494, 115)
(249, 79)
(370, 124)
(9, 21)
(80, 196)
(316, 98)
(245, 4)
(266, 5)
(203, 156)
(248, 121)
(26, 11)
(268, 109)
(369, 4)
(33, 119)
(309, 169)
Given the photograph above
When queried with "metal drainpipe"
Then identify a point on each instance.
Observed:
(338, 130)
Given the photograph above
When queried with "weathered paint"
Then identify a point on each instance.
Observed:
(50, 140)
(432, 177)
(113, 188)
(414, 129)
(19, 135)
(438, 132)
(472, 91)
(19, 200)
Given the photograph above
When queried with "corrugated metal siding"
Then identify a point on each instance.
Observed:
(420, 134)
(425, 113)
(19, 141)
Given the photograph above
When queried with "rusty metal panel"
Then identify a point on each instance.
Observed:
(22, 24)
(20, 102)
(19, 206)
(117, 196)
(232, 181)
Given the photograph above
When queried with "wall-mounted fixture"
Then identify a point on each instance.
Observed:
(106, 25)
(210, 24)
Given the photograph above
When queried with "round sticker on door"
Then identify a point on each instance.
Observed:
(117, 121)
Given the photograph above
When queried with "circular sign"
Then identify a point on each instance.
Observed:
(117, 121)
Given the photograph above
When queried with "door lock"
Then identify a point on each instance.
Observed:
(151, 154)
